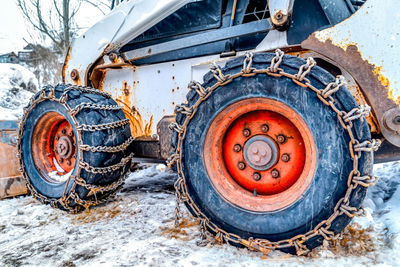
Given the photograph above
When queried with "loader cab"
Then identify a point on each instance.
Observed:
(245, 23)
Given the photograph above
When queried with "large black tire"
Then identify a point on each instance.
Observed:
(333, 166)
(86, 186)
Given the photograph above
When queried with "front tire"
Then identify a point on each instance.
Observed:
(299, 190)
(73, 146)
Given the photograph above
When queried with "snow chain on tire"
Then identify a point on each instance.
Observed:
(109, 190)
(345, 118)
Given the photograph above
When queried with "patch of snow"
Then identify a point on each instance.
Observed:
(17, 85)
(136, 228)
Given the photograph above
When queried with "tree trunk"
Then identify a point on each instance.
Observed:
(65, 19)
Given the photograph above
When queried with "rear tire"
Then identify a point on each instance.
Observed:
(73, 146)
(224, 200)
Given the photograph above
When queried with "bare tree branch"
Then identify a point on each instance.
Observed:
(55, 19)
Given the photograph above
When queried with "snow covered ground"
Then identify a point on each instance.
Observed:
(137, 228)
(17, 85)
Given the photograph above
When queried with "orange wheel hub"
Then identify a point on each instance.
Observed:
(54, 147)
(260, 154)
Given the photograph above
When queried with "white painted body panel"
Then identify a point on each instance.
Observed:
(156, 89)
(127, 21)
(374, 30)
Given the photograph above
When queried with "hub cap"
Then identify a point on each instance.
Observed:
(262, 154)
(54, 147)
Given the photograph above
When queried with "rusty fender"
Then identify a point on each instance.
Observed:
(366, 46)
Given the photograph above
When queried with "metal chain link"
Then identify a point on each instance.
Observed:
(82, 106)
(345, 118)
(100, 127)
(71, 200)
(112, 149)
(104, 170)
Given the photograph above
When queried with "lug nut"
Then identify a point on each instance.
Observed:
(61, 160)
(256, 176)
(281, 138)
(285, 157)
(63, 131)
(264, 128)
(68, 162)
(241, 165)
(275, 173)
(237, 148)
(246, 132)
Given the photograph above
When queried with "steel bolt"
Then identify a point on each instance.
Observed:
(256, 176)
(264, 128)
(275, 173)
(281, 138)
(285, 157)
(237, 148)
(113, 57)
(75, 74)
(241, 165)
(246, 132)
(278, 16)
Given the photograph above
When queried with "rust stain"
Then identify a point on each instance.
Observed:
(352, 86)
(8, 160)
(77, 81)
(376, 70)
(373, 84)
(385, 82)
(11, 181)
(65, 65)
(12, 186)
(360, 99)
(139, 128)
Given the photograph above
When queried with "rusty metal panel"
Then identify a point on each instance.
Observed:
(11, 181)
(366, 45)
(148, 93)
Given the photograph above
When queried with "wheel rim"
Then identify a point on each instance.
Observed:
(260, 154)
(54, 148)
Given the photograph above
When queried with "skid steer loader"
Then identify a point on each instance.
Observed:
(271, 112)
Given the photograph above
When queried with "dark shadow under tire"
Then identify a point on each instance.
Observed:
(72, 146)
(333, 160)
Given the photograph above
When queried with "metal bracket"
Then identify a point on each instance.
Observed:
(281, 11)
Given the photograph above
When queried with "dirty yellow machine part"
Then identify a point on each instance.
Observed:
(11, 181)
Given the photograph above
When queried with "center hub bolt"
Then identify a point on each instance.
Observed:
(256, 176)
(246, 132)
(275, 173)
